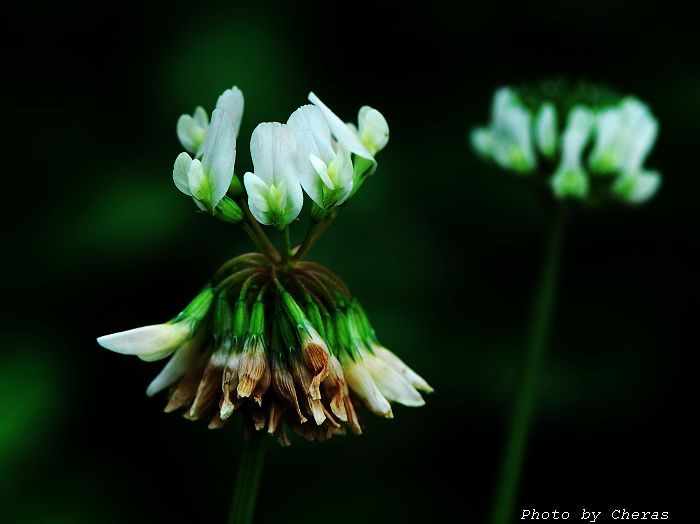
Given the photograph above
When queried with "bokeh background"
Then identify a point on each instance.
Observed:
(442, 250)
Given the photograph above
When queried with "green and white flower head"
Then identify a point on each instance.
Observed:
(274, 336)
(192, 129)
(275, 196)
(579, 131)
(325, 169)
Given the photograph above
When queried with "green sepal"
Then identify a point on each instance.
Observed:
(257, 319)
(223, 320)
(198, 308)
(240, 319)
(314, 315)
(236, 188)
(228, 211)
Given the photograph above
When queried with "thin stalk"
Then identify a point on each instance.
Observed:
(248, 479)
(313, 234)
(285, 244)
(265, 243)
(507, 491)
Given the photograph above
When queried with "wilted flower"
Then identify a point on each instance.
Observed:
(603, 135)
(274, 336)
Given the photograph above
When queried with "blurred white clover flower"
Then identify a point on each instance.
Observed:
(608, 137)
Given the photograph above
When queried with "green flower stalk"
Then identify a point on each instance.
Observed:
(274, 336)
(576, 144)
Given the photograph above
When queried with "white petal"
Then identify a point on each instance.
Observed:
(363, 386)
(606, 155)
(231, 102)
(257, 198)
(637, 188)
(482, 141)
(176, 367)
(201, 117)
(373, 129)
(148, 342)
(406, 372)
(274, 152)
(321, 169)
(390, 383)
(219, 156)
(546, 129)
(198, 182)
(180, 169)
(342, 132)
(512, 133)
(312, 133)
(643, 129)
(190, 133)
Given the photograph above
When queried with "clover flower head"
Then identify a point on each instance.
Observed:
(601, 135)
(274, 336)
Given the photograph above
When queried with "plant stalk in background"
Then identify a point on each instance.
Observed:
(575, 144)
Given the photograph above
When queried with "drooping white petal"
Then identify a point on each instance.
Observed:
(231, 102)
(183, 357)
(362, 384)
(343, 133)
(406, 372)
(637, 188)
(390, 383)
(546, 129)
(219, 156)
(373, 129)
(570, 179)
(149, 342)
(180, 170)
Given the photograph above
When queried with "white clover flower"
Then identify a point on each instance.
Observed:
(570, 179)
(149, 342)
(367, 139)
(208, 179)
(546, 129)
(325, 171)
(192, 129)
(508, 140)
(275, 196)
(625, 134)
(182, 359)
(157, 341)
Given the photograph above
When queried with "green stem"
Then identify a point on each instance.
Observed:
(525, 396)
(265, 244)
(248, 480)
(285, 244)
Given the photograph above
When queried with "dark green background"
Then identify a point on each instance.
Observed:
(442, 250)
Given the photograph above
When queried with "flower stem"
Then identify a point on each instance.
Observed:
(285, 244)
(526, 390)
(248, 480)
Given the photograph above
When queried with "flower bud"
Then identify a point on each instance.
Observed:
(228, 211)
